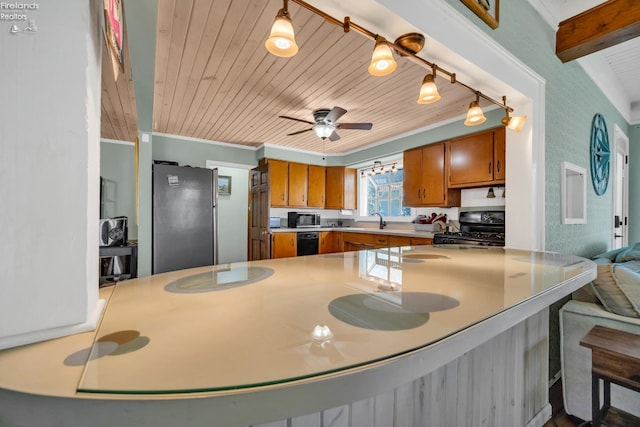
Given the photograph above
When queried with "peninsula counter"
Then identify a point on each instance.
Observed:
(445, 335)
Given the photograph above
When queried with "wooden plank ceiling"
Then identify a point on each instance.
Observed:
(215, 80)
(119, 120)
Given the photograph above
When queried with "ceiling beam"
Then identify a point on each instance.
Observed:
(606, 25)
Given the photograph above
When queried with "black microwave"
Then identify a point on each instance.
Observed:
(300, 220)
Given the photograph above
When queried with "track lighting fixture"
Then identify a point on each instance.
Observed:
(475, 115)
(382, 62)
(281, 41)
(379, 168)
(429, 90)
(514, 123)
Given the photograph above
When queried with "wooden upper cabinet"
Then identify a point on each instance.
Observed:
(499, 155)
(412, 164)
(316, 186)
(424, 177)
(279, 181)
(477, 160)
(341, 184)
(298, 181)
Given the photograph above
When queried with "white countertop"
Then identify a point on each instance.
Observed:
(203, 330)
(372, 230)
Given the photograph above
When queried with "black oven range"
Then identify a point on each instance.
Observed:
(479, 228)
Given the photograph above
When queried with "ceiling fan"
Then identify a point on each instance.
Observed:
(324, 124)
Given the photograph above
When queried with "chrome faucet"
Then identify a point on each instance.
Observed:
(383, 223)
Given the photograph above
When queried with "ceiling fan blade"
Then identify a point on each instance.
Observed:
(334, 136)
(300, 131)
(335, 113)
(361, 126)
(297, 120)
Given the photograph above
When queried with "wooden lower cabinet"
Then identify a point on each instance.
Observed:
(330, 242)
(284, 245)
(360, 241)
(409, 241)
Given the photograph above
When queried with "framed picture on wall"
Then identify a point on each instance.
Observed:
(224, 185)
(487, 10)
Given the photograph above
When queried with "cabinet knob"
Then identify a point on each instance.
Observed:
(419, 196)
(424, 193)
(490, 170)
(282, 196)
(498, 165)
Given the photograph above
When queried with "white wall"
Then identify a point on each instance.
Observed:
(49, 172)
(233, 216)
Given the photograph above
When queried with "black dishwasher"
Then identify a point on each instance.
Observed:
(308, 243)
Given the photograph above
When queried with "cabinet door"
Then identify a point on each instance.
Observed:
(349, 195)
(412, 184)
(284, 245)
(297, 185)
(316, 187)
(499, 155)
(471, 160)
(335, 187)
(279, 182)
(433, 175)
(329, 242)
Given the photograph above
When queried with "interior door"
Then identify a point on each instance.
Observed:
(259, 244)
(620, 178)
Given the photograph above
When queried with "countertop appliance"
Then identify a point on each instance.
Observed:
(274, 222)
(308, 243)
(480, 228)
(185, 217)
(301, 220)
(113, 231)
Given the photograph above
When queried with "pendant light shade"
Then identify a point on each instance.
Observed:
(514, 123)
(428, 91)
(382, 62)
(474, 115)
(281, 41)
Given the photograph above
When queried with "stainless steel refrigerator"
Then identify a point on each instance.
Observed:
(185, 217)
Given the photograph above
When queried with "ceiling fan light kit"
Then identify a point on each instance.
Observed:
(383, 63)
(324, 130)
(325, 123)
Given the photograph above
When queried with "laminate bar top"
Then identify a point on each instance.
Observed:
(272, 324)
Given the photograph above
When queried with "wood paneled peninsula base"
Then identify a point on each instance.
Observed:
(422, 335)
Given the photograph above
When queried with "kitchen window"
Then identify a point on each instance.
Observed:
(383, 193)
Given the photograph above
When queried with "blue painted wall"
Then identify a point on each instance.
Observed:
(634, 184)
(572, 99)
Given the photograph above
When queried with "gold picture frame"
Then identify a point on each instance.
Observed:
(487, 10)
